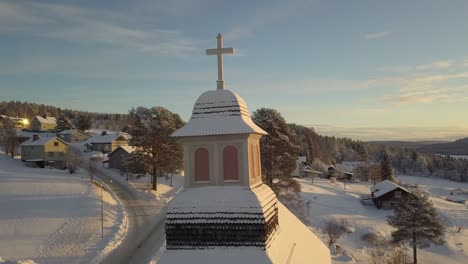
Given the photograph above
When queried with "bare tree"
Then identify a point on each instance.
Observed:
(398, 256)
(73, 159)
(8, 137)
(334, 228)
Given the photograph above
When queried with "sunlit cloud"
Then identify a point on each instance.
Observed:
(377, 35)
(436, 65)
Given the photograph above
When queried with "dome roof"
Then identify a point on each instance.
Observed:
(219, 112)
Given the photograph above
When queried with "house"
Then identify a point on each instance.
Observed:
(118, 157)
(386, 194)
(107, 143)
(300, 165)
(19, 123)
(45, 151)
(43, 123)
(73, 135)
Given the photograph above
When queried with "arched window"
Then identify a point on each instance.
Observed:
(251, 161)
(230, 164)
(202, 165)
(257, 161)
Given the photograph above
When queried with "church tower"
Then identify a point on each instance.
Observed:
(224, 202)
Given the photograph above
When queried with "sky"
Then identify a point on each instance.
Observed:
(370, 70)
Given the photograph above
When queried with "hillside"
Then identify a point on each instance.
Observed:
(407, 144)
(458, 147)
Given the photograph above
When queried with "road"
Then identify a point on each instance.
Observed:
(145, 234)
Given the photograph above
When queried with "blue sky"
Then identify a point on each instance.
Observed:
(364, 69)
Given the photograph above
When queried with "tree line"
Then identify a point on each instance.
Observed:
(110, 121)
(284, 143)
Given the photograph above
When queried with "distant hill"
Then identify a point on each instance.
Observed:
(416, 145)
(458, 147)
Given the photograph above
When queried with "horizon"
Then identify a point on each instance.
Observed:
(321, 64)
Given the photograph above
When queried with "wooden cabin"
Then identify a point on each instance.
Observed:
(118, 159)
(387, 194)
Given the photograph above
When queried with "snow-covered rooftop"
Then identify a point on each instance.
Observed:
(128, 149)
(104, 139)
(69, 132)
(219, 112)
(40, 141)
(384, 187)
(30, 134)
(47, 119)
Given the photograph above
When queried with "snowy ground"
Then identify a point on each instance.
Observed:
(142, 184)
(50, 216)
(332, 200)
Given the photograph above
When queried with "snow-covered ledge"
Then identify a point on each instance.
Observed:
(293, 241)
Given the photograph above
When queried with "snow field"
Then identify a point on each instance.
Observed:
(51, 216)
(332, 200)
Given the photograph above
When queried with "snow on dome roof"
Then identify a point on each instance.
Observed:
(219, 112)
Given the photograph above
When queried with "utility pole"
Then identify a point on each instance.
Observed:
(102, 213)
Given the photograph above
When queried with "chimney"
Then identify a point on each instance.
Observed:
(35, 137)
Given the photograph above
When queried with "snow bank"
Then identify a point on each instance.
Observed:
(111, 242)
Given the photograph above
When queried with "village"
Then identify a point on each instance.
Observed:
(42, 147)
(263, 132)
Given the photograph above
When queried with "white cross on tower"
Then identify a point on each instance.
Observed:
(220, 51)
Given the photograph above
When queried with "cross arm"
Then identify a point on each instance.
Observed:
(217, 51)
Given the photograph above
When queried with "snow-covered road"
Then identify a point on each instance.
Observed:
(145, 234)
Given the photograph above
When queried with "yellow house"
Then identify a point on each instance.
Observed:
(73, 135)
(44, 151)
(107, 143)
(43, 123)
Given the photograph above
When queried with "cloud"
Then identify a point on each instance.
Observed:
(465, 63)
(90, 26)
(436, 65)
(377, 35)
(410, 133)
(424, 88)
(264, 16)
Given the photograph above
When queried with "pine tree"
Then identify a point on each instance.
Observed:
(82, 121)
(151, 130)
(279, 149)
(417, 222)
(63, 124)
(386, 170)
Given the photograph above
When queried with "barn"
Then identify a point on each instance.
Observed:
(387, 194)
